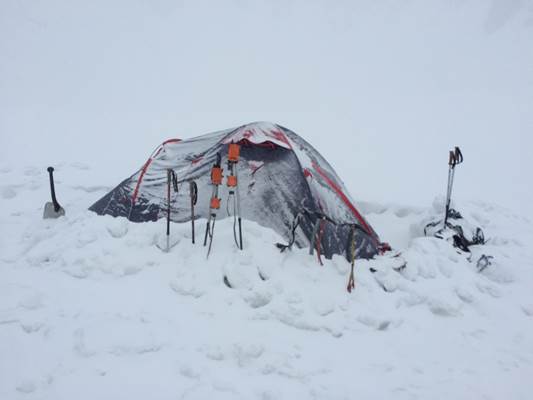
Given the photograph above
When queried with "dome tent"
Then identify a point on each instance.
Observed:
(281, 178)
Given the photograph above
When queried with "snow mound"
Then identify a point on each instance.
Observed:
(92, 302)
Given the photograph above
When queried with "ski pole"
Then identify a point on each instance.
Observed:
(455, 158)
(207, 229)
(451, 162)
(316, 227)
(193, 192)
(239, 213)
(232, 182)
(214, 202)
(169, 178)
(172, 179)
(351, 279)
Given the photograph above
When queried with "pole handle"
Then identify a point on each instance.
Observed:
(458, 155)
(451, 160)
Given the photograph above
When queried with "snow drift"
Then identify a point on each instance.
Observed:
(91, 308)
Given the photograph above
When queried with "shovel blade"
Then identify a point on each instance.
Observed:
(50, 212)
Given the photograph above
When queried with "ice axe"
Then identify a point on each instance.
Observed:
(52, 209)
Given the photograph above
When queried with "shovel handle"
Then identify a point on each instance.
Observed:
(52, 189)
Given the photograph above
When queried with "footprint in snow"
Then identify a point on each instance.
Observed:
(372, 322)
(189, 372)
(187, 289)
(258, 298)
(464, 295)
(528, 310)
(443, 309)
(490, 290)
(215, 354)
(131, 270)
(26, 386)
(92, 189)
(8, 192)
(117, 229)
(247, 353)
(33, 171)
(79, 165)
(31, 302)
(403, 212)
(31, 327)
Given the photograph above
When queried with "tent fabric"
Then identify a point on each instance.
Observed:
(280, 175)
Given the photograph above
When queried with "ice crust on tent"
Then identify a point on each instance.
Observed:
(280, 175)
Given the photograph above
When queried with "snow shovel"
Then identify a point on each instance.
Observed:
(52, 209)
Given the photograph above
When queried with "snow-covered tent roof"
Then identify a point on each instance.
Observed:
(280, 176)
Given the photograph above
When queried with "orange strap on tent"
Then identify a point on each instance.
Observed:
(232, 181)
(215, 203)
(216, 175)
(233, 152)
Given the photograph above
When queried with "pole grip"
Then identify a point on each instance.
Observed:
(458, 155)
(451, 160)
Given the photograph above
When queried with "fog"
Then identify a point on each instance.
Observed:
(383, 89)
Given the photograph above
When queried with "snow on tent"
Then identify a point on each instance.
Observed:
(282, 179)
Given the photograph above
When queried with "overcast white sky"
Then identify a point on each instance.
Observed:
(381, 88)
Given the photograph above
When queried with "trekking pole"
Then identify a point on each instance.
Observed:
(451, 162)
(316, 238)
(172, 178)
(351, 280)
(169, 179)
(316, 227)
(455, 158)
(214, 203)
(238, 214)
(193, 192)
(232, 182)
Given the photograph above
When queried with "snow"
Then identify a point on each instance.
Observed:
(90, 307)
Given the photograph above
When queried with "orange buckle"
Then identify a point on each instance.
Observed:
(215, 203)
(233, 152)
(232, 181)
(216, 175)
